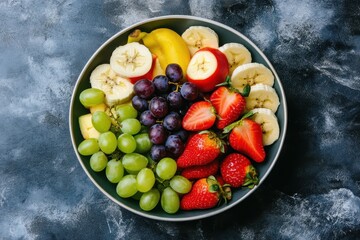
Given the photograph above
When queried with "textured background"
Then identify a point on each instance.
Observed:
(313, 191)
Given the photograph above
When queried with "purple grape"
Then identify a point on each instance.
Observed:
(157, 152)
(189, 91)
(147, 119)
(161, 84)
(139, 103)
(174, 145)
(174, 72)
(158, 134)
(144, 88)
(172, 121)
(175, 100)
(158, 107)
(182, 134)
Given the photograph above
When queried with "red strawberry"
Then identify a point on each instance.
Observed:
(238, 171)
(246, 137)
(203, 171)
(205, 193)
(229, 105)
(200, 116)
(202, 148)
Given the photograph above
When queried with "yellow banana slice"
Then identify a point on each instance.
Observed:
(262, 96)
(251, 73)
(117, 89)
(269, 124)
(131, 60)
(236, 54)
(197, 37)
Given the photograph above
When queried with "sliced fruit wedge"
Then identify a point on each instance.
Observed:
(117, 89)
(269, 124)
(198, 37)
(200, 116)
(131, 60)
(236, 54)
(251, 74)
(262, 96)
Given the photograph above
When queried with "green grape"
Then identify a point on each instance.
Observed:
(131, 126)
(166, 168)
(91, 97)
(98, 161)
(143, 143)
(126, 187)
(126, 143)
(145, 180)
(180, 184)
(125, 111)
(170, 200)
(101, 121)
(107, 142)
(149, 200)
(88, 147)
(134, 162)
(114, 171)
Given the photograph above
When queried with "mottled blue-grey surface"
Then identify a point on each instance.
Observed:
(313, 191)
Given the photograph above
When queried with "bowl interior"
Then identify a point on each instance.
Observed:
(179, 24)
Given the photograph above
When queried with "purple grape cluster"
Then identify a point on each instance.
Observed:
(162, 103)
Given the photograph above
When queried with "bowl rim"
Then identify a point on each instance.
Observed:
(215, 210)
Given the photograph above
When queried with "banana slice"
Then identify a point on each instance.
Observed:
(197, 37)
(117, 89)
(269, 124)
(131, 60)
(251, 73)
(262, 96)
(236, 55)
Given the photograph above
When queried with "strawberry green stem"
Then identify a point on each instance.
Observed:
(251, 178)
(227, 83)
(229, 127)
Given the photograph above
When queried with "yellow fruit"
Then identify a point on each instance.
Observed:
(86, 127)
(136, 36)
(158, 70)
(100, 107)
(169, 47)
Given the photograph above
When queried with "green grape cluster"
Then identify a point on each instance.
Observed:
(122, 150)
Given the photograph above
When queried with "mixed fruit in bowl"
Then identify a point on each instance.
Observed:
(178, 121)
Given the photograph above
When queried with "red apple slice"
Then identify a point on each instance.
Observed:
(207, 68)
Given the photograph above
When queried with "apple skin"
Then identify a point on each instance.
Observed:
(222, 70)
